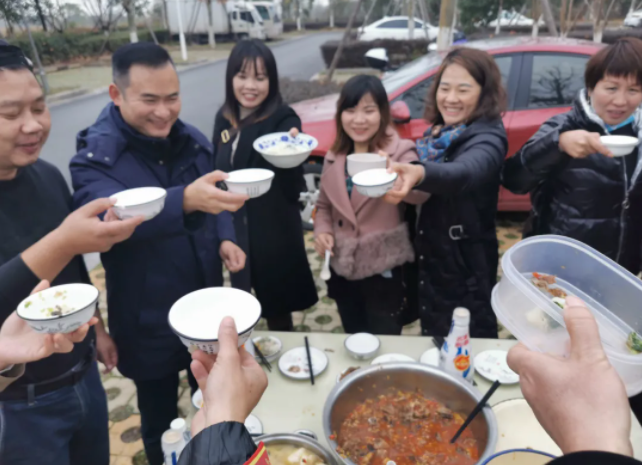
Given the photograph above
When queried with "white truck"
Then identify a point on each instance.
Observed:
(231, 19)
(271, 15)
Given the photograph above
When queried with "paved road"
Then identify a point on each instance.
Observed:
(202, 90)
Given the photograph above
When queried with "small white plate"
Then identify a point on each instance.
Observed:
(430, 357)
(518, 428)
(270, 356)
(491, 364)
(385, 358)
(294, 363)
(254, 425)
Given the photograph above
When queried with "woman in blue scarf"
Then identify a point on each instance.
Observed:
(461, 157)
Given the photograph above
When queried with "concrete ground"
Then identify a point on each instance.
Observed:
(124, 425)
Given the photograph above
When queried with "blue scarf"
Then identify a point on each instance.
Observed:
(434, 146)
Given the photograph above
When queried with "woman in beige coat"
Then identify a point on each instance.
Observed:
(368, 238)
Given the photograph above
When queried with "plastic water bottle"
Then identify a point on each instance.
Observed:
(456, 355)
(173, 441)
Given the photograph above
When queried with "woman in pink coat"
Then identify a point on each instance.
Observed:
(368, 238)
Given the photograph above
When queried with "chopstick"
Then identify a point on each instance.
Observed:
(307, 350)
(478, 408)
(438, 341)
(264, 360)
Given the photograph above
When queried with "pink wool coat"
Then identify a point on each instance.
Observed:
(369, 234)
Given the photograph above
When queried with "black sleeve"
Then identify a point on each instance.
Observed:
(226, 443)
(594, 458)
(538, 158)
(479, 164)
(16, 283)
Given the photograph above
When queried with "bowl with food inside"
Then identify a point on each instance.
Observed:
(406, 413)
(142, 201)
(253, 182)
(196, 317)
(539, 275)
(299, 448)
(60, 309)
(375, 182)
(283, 150)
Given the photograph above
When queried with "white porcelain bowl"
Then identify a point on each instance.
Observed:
(359, 162)
(619, 145)
(196, 317)
(142, 201)
(284, 151)
(253, 182)
(374, 183)
(76, 302)
(362, 346)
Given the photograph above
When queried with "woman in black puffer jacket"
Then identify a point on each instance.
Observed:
(461, 158)
(578, 190)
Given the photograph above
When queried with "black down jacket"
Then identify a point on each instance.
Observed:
(456, 239)
(595, 200)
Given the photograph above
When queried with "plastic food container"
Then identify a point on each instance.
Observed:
(612, 293)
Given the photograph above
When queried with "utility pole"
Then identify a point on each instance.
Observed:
(411, 19)
(424, 17)
(181, 34)
(34, 50)
(446, 24)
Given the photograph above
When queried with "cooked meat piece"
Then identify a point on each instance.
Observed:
(445, 413)
(540, 284)
(367, 459)
(380, 444)
(372, 421)
(547, 278)
(557, 293)
(438, 437)
(389, 409)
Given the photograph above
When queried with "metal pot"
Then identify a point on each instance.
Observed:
(301, 438)
(434, 383)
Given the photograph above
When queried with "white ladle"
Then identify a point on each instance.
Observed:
(325, 272)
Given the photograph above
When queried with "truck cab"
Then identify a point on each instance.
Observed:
(271, 19)
(246, 21)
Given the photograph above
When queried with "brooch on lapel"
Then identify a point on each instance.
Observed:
(225, 136)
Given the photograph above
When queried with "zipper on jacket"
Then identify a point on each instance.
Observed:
(624, 209)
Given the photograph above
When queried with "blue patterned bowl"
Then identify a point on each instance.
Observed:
(295, 149)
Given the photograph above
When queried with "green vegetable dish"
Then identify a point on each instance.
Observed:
(634, 343)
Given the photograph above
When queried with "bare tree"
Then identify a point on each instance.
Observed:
(446, 24)
(411, 19)
(41, 14)
(211, 39)
(344, 41)
(500, 10)
(567, 21)
(549, 18)
(130, 8)
(103, 14)
(600, 18)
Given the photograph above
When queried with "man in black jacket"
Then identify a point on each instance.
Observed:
(39, 241)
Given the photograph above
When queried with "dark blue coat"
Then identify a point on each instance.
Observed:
(168, 256)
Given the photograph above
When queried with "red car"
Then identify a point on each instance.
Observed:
(542, 76)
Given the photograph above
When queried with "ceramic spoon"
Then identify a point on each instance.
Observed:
(325, 272)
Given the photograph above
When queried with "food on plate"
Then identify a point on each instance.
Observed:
(544, 282)
(287, 454)
(347, 372)
(56, 309)
(634, 343)
(283, 148)
(538, 317)
(267, 346)
(406, 428)
(294, 369)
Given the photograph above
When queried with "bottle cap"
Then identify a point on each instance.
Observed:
(461, 316)
(178, 425)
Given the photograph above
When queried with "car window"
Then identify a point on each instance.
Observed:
(504, 64)
(394, 24)
(556, 80)
(418, 24)
(263, 11)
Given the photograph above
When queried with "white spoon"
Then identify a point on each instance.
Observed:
(325, 272)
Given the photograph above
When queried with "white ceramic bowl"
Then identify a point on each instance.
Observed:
(297, 149)
(362, 346)
(359, 162)
(519, 457)
(253, 182)
(374, 183)
(79, 300)
(619, 145)
(196, 317)
(142, 201)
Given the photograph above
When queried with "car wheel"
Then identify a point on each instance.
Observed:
(308, 199)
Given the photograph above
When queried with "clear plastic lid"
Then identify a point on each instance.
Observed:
(178, 425)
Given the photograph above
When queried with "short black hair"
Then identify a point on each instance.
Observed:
(140, 53)
(13, 58)
(246, 52)
(623, 58)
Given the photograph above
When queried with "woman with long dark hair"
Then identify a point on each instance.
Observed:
(268, 228)
(368, 238)
(461, 158)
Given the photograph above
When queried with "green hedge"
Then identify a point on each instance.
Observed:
(55, 47)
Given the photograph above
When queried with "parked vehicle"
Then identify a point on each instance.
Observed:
(396, 27)
(513, 18)
(633, 19)
(542, 76)
(231, 20)
(271, 17)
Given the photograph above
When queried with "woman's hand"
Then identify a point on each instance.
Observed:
(385, 155)
(323, 242)
(233, 256)
(409, 177)
(293, 132)
(581, 144)
(232, 381)
(559, 390)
